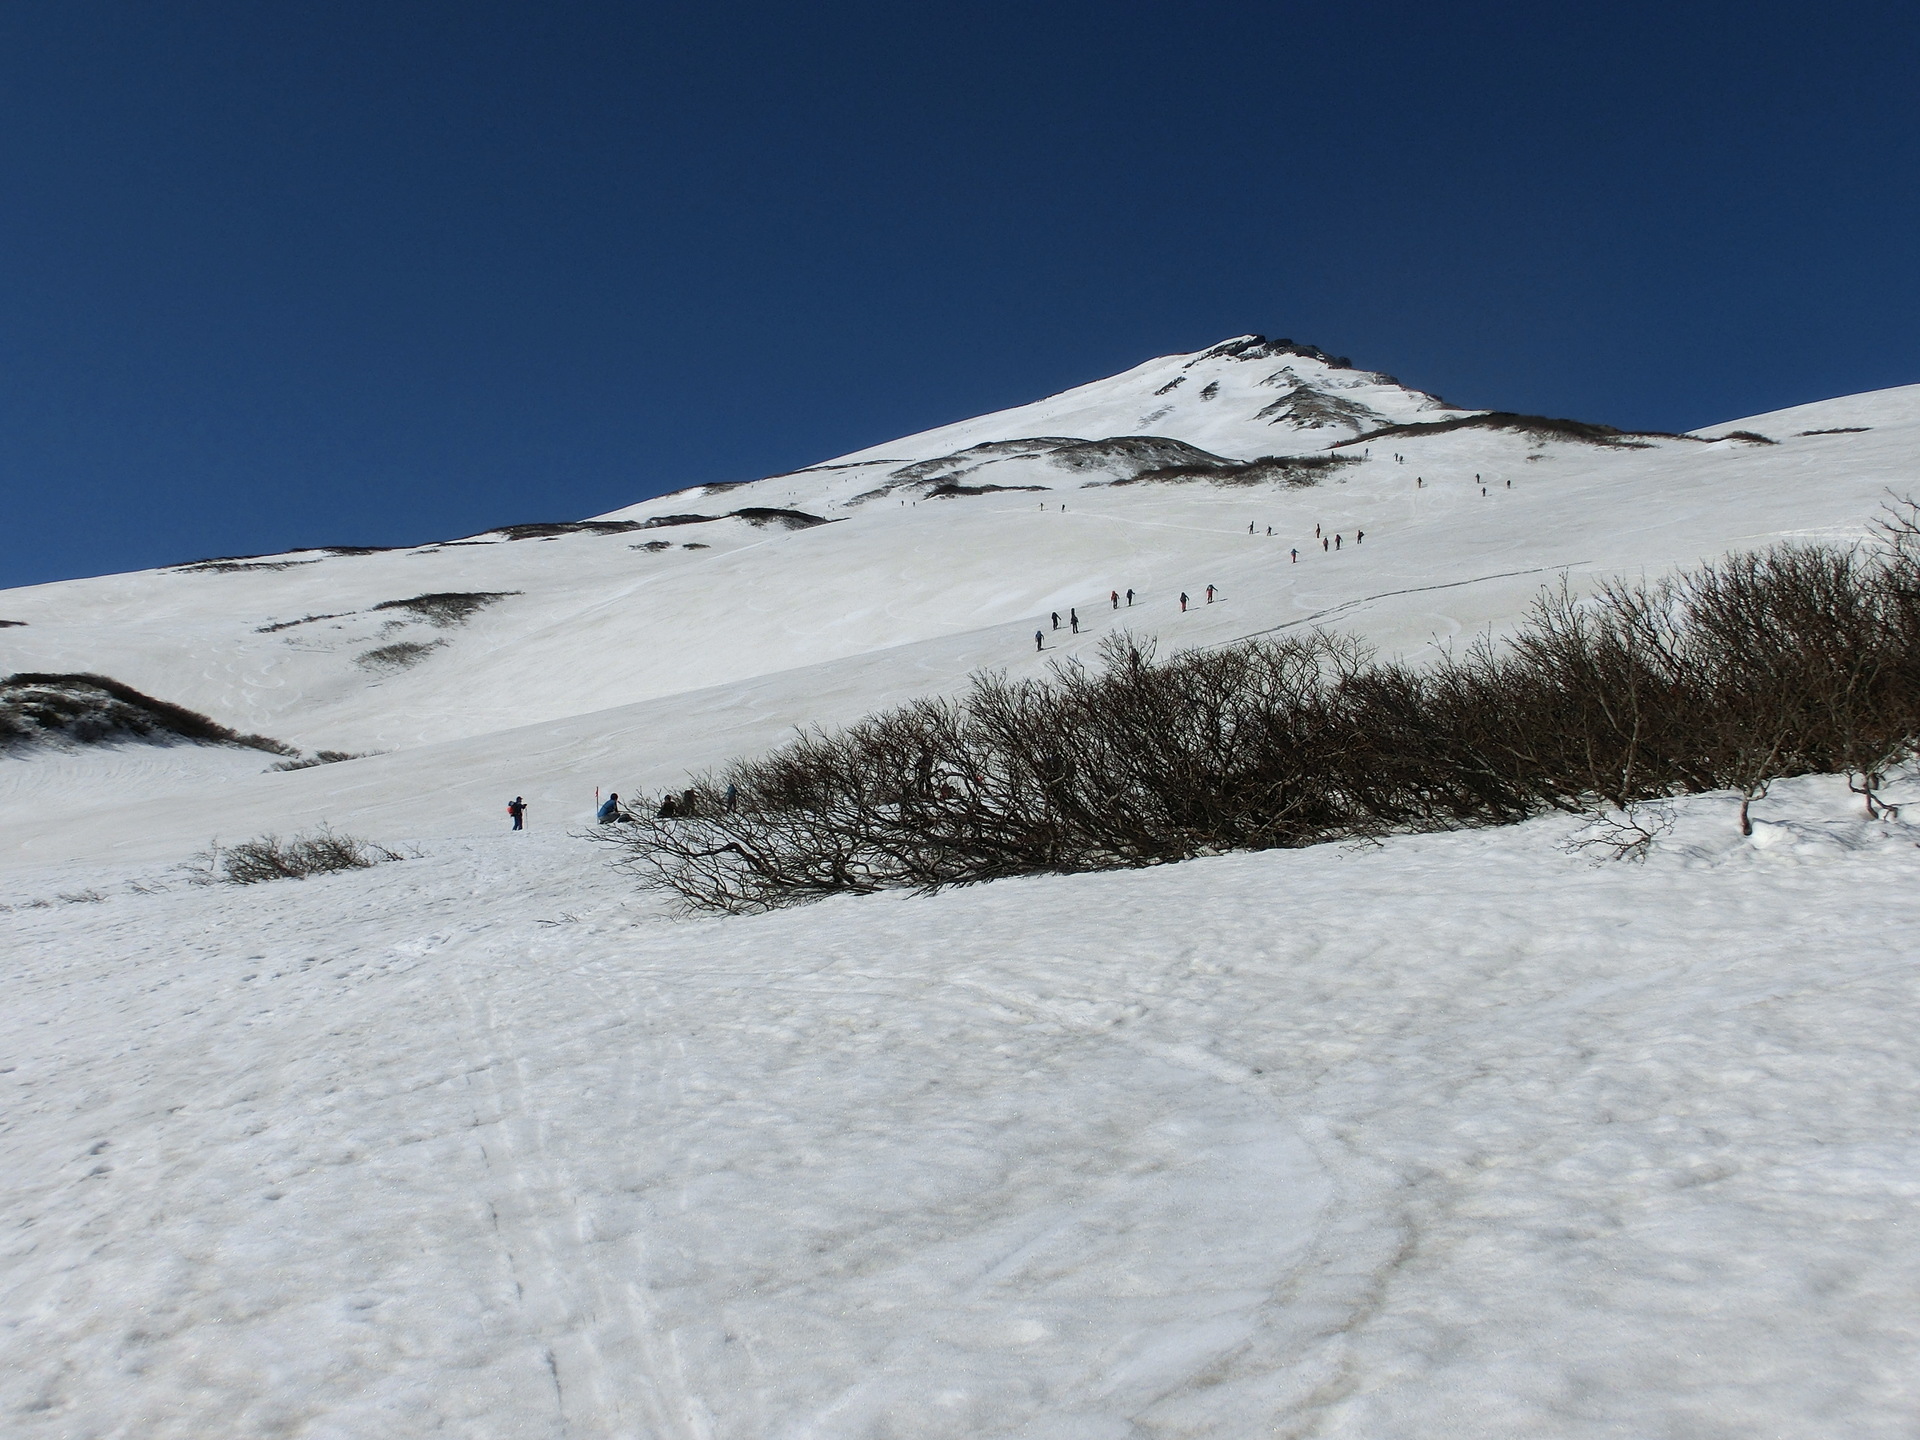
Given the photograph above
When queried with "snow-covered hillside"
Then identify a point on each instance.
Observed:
(695, 625)
(1459, 1135)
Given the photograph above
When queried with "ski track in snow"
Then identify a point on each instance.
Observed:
(1461, 1135)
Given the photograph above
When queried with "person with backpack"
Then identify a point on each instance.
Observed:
(1056, 619)
(1114, 597)
(517, 808)
(1129, 599)
(1073, 619)
(1209, 594)
(667, 811)
(1183, 602)
(1039, 639)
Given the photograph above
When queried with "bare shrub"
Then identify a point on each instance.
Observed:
(268, 857)
(400, 655)
(88, 709)
(1800, 660)
(319, 757)
(447, 607)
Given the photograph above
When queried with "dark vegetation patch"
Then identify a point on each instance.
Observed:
(1211, 389)
(1172, 385)
(401, 655)
(1797, 661)
(234, 567)
(89, 709)
(654, 545)
(1840, 430)
(12, 624)
(950, 490)
(695, 545)
(554, 529)
(1751, 437)
(1295, 471)
(447, 607)
(268, 857)
(303, 620)
(760, 516)
(319, 757)
(1539, 427)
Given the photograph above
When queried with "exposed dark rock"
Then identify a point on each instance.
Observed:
(1310, 409)
(948, 467)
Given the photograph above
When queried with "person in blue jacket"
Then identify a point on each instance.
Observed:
(610, 811)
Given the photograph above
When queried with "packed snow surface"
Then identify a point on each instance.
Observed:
(1476, 1135)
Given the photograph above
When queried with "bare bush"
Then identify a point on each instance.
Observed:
(268, 857)
(89, 709)
(1800, 660)
(400, 655)
(447, 607)
(319, 757)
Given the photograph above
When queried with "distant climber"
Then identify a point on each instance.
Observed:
(609, 811)
(1358, 536)
(1183, 602)
(1296, 554)
(1209, 594)
(1039, 639)
(733, 796)
(1115, 598)
(667, 811)
(1073, 619)
(1056, 619)
(1129, 599)
(1325, 544)
(1249, 527)
(1336, 542)
(517, 808)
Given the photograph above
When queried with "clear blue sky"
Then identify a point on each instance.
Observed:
(363, 273)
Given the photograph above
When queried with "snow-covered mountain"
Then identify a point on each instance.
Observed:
(693, 625)
(1459, 1135)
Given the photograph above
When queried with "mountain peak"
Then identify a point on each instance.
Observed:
(1259, 347)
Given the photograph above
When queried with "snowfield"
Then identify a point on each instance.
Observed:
(1462, 1135)
(1478, 1134)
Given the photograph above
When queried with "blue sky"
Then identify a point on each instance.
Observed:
(346, 273)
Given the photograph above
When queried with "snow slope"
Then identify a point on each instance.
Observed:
(1461, 1135)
